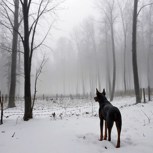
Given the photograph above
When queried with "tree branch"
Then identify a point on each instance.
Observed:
(21, 2)
(43, 38)
(3, 24)
(9, 49)
(38, 72)
(143, 7)
(35, 23)
(7, 6)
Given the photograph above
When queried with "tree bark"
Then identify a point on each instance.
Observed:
(108, 78)
(125, 46)
(1, 104)
(14, 57)
(27, 64)
(149, 51)
(134, 54)
(114, 63)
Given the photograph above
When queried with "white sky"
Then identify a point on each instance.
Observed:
(73, 14)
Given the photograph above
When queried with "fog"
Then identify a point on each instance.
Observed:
(78, 49)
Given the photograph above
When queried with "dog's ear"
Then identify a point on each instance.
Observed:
(104, 93)
(97, 92)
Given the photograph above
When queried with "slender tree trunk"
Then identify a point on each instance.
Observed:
(114, 63)
(125, 88)
(149, 51)
(134, 54)
(107, 63)
(96, 63)
(83, 85)
(14, 57)
(125, 38)
(1, 104)
(27, 64)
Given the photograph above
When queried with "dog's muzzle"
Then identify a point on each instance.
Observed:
(95, 98)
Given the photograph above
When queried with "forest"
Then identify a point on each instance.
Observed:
(95, 53)
(111, 49)
(54, 54)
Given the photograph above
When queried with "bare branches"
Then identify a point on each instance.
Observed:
(38, 72)
(109, 11)
(29, 4)
(146, 116)
(6, 14)
(34, 25)
(6, 26)
(21, 2)
(7, 6)
(44, 37)
(41, 11)
(143, 7)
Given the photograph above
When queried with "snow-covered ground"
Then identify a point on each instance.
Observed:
(76, 128)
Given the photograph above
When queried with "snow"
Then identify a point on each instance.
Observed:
(78, 129)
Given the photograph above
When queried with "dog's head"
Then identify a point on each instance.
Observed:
(100, 96)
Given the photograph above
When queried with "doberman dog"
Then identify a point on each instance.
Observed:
(110, 114)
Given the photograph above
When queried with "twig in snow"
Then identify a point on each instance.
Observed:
(13, 135)
(146, 116)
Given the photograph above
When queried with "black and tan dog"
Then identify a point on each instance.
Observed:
(110, 114)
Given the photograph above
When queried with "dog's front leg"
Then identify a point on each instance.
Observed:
(101, 130)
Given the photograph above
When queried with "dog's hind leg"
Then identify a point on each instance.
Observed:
(118, 126)
(105, 136)
(109, 126)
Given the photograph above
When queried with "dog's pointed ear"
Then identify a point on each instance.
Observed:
(104, 93)
(97, 91)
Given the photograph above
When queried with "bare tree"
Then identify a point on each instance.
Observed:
(149, 52)
(28, 44)
(124, 25)
(85, 39)
(1, 104)
(6, 14)
(136, 12)
(134, 54)
(108, 77)
(14, 56)
(38, 73)
(80, 66)
(5, 59)
(111, 20)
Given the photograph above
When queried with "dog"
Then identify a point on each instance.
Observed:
(110, 114)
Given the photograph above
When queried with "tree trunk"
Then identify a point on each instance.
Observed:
(149, 51)
(83, 85)
(114, 63)
(14, 57)
(125, 38)
(1, 104)
(108, 78)
(134, 54)
(125, 88)
(144, 96)
(149, 95)
(96, 62)
(27, 64)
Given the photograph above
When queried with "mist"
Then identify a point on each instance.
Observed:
(78, 49)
